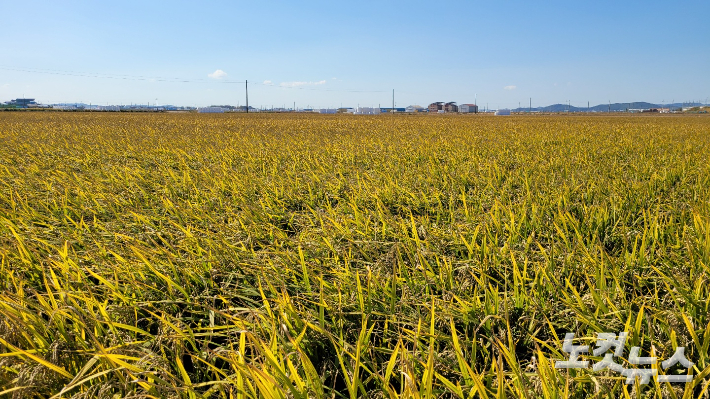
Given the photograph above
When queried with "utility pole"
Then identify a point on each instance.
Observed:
(246, 90)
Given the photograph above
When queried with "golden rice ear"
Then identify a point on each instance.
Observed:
(240, 255)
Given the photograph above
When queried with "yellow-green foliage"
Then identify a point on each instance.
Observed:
(233, 256)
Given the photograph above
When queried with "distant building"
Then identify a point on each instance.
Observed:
(389, 110)
(328, 111)
(22, 102)
(113, 108)
(503, 112)
(468, 108)
(211, 110)
(436, 107)
(244, 109)
(65, 107)
(443, 107)
(451, 107)
(415, 108)
(366, 111)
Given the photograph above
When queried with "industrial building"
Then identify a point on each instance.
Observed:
(440, 107)
(390, 110)
(468, 108)
(503, 112)
(436, 107)
(365, 111)
(65, 107)
(415, 108)
(211, 110)
(22, 103)
(451, 107)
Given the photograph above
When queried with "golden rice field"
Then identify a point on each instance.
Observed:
(296, 256)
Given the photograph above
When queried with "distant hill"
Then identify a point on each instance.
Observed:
(614, 107)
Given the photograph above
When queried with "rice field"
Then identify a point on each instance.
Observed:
(332, 256)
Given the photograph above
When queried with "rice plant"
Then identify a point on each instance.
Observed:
(296, 256)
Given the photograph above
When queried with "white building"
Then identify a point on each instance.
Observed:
(114, 108)
(328, 111)
(366, 111)
(210, 110)
(415, 108)
(468, 108)
(503, 112)
(64, 107)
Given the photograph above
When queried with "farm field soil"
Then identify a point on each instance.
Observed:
(266, 255)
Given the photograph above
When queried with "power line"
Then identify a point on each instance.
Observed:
(168, 80)
(114, 76)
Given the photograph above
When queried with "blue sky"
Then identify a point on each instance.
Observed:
(328, 53)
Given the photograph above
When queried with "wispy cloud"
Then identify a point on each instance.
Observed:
(268, 82)
(5, 85)
(511, 87)
(218, 74)
(298, 84)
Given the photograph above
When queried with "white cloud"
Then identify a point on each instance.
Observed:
(267, 82)
(511, 87)
(218, 74)
(297, 84)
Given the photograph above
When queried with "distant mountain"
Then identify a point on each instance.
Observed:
(614, 107)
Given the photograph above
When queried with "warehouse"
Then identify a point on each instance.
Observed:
(468, 108)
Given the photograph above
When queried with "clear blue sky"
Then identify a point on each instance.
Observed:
(328, 53)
